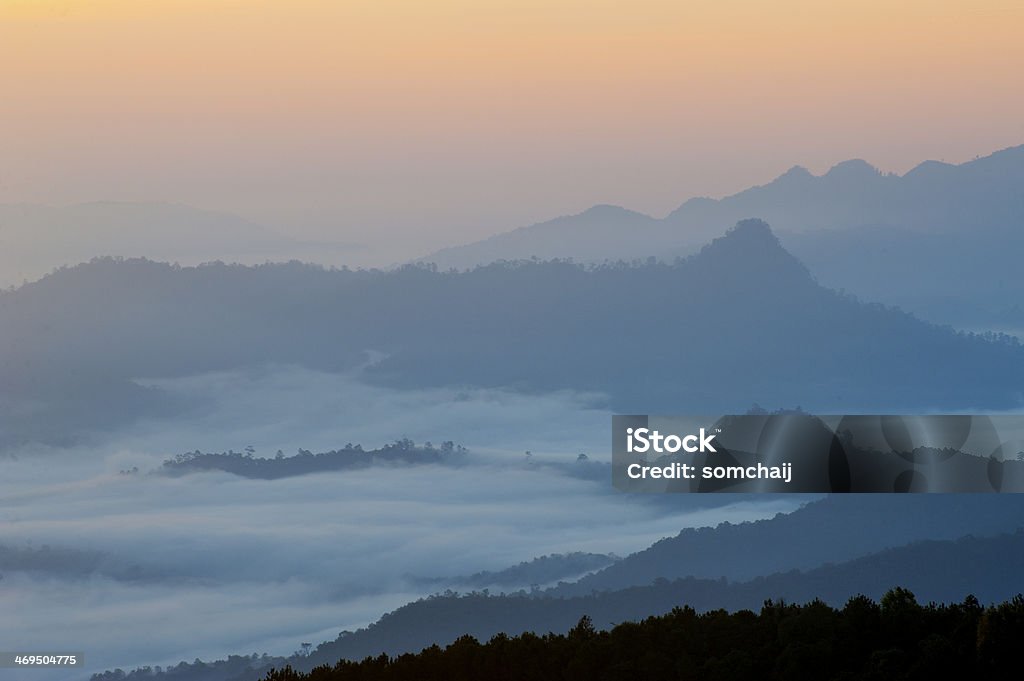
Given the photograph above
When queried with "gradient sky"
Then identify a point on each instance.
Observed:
(411, 125)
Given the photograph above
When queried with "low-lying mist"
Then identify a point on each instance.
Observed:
(136, 568)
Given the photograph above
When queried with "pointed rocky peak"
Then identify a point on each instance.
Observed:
(751, 246)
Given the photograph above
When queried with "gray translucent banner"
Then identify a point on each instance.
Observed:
(796, 452)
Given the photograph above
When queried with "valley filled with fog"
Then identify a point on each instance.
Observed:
(105, 554)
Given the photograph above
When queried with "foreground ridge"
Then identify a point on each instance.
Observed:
(895, 638)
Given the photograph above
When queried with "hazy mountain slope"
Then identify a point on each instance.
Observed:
(941, 571)
(940, 241)
(540, 571)
(586, 237)
(941, 547)
(969, 279)
(933, 197)
(35, 239)
(837, 528)
(741, 322)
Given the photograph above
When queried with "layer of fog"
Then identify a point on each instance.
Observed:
(36, 239)
(218, 564)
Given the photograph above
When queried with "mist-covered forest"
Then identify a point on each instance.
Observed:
(831, 549)
(245, 464)
(742, 321)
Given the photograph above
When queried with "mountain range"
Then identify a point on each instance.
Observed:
(940, 240)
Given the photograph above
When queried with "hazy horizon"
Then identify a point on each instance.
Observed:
(236, 238)
(408, 128)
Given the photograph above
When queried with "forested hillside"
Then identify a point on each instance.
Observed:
(895, 638)
(741, 322)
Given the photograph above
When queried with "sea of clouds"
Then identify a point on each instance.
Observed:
(153, 569)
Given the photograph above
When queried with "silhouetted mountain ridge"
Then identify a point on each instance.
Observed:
(836, 528)
(939, 571)
(939, 241)
(741, 321)
(936, 571)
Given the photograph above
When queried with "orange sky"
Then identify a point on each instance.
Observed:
(427, 123)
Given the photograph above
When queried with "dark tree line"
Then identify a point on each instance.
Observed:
(246, 464)
(235, 666)
(896, 638)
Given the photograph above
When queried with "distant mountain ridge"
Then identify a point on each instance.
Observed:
(539, 572)
(857, 525)
(590, 236)
(37, 238)
(939, 240)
